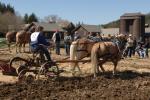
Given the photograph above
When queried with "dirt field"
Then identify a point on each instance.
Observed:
(132, 82)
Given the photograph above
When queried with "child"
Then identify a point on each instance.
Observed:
(141, 50)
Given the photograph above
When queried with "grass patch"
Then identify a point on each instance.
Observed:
(2, 43)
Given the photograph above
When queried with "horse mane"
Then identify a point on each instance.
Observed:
(27, 28)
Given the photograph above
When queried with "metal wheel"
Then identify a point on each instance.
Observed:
(23, 76)
(19, 64)
(49, 70)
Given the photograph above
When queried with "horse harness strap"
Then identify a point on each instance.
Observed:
(81, 50)
(107, 55)
(116, 43)
(118, 47)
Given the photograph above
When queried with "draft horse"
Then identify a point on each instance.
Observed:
(107, 51)
(23, 37)
(10, 37)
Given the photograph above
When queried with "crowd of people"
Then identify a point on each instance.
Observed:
(140, 47)
(39, 42)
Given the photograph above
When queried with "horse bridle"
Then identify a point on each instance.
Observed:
(83, 50)
(80, 50)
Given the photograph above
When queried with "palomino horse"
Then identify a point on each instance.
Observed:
(80, 49)
(107, 51)
(10, 37)
(23, 37)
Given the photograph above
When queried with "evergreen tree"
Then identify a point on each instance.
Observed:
(9, 8)
(32, 18)
(26, 17)
(6, 8)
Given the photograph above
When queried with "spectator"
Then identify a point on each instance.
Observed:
(129, 45)
(57, 39)
(95, 38)
(146, 46)
(134, 46)
(141, 50)
(67, 42)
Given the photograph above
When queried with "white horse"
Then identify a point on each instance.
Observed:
(80, 49)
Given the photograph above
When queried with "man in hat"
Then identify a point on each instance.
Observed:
(129, 45)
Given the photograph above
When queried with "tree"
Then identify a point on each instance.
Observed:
(9, 21)
(32, 18)
(26, 17)
(9, 8)
(51, 19)
(6, 8)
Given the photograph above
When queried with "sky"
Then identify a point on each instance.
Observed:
(93, 12)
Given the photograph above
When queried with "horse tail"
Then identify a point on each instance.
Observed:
(94, 59)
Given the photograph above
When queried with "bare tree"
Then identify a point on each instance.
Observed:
(9, 21)
(63, 23)
(51, 18)
(56, 19)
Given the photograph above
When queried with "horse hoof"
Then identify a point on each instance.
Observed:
(95, 76)
(115, 75)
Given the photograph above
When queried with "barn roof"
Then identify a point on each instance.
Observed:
(50, 26)
(92, 28)
(89, 28)
(132, 14)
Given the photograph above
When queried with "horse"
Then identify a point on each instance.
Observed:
(10, 37)
(80, 49)
(107, 51)
(23, 37)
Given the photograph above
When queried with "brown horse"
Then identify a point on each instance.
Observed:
(23, 37)
(81, 48)
(10, 37)
(107, 51)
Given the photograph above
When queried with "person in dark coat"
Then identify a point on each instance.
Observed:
(39, 43)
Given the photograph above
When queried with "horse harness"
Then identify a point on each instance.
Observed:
(109, 55)
(83, 50)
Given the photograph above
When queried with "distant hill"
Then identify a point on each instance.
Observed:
(115, 24)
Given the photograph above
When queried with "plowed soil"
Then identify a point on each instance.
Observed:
(132, 82)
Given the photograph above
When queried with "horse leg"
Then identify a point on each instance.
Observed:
(101, 62)
(16, 47)
(94, 62)
(9, 47)
(74, 67)
(24, 47)
(102, 68)
(29, 48)
(79, 68)
(95, 68)
(115, 62)
(20, 45)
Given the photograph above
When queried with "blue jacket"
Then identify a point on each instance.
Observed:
(36, 39)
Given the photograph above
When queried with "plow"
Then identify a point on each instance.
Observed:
(34, 68)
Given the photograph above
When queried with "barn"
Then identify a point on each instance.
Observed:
(85, 29)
